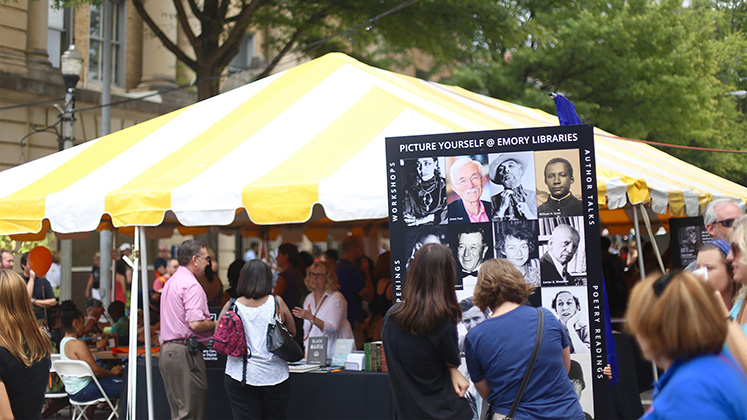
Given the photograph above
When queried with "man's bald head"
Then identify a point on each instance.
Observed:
(564, 243)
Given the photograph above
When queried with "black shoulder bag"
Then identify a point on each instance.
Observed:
(280, 341)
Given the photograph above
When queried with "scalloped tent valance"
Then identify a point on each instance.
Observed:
(267, 152)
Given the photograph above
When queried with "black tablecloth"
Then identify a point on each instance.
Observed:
(338, 395)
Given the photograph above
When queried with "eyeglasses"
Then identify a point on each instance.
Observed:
(661, 284)
(727, 223)
(318, 275)
(206, 258)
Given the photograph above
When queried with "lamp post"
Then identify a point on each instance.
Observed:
(72, 64)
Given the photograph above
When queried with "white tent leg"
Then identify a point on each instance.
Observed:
(639, 245)
(132, 359)
(146, 322)
(647, 222)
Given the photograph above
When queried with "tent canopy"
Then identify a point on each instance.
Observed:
(283, 148)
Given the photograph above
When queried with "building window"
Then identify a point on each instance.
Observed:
(243, 59)
(58, 39)
(96, 44)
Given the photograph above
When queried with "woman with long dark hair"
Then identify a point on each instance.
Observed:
(420, 341)
(259, 388)
(84, 389)
(24, 352)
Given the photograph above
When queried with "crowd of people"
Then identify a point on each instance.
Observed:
(692, 324)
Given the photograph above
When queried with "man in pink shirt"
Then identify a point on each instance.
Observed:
(468, 180)
(185, 322)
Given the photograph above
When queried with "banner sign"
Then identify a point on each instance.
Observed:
(526, 195)
(688, 234)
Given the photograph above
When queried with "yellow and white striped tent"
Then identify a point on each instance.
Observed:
(267, 152)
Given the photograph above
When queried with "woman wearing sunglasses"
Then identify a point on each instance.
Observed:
(679, 324)
(325, 309)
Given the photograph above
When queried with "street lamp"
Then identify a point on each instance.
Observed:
(72, 64)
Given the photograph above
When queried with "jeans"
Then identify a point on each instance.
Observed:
(257, 402)
(112, 387)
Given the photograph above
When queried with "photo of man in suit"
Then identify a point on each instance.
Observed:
(472, 247)
(468, 181)
(562, 247)
(558, 177)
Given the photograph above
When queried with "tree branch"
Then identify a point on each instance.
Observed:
(239, 29)
(180, 55)
(184, 22)
(196, 10)
(309, 23)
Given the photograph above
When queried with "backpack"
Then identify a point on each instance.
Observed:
(229, 336)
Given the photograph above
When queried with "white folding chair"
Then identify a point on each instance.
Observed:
(80, 369)
(54, 395)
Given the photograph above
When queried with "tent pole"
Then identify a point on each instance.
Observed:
(105, 265)
(647, 222)
(113, 273)
(639, 245)
(132, 354)
(146, 321)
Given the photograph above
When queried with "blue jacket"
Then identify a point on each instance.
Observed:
(710, 386)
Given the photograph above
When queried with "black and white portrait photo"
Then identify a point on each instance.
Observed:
(516, 241)
(424, 200)
(556, 183)
(415, 238)
(580, 376)
(471, 245)
(570, 305)
(467, 179)
(471, 317)
(560, 262)
(512, 186)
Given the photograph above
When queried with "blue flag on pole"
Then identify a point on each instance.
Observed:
(566, 111)
(567, 116)
(611, 350)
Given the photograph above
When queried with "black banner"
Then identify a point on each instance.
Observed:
(526, 195)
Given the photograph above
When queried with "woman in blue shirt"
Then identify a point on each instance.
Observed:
(498, 350)
(679, 324)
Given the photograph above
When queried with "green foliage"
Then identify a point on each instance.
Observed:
(644, 69)
(19, 247)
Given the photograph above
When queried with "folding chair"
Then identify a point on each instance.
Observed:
(54, 395)
(80, 369)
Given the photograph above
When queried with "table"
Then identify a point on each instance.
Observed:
(338, 395)
(122, 355)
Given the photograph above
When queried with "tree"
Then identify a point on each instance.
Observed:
(444, 29)
(653, 70)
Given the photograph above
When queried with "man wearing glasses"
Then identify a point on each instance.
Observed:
(467, 180)
(185, 322)
(719, 217)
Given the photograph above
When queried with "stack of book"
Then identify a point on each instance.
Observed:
(375, 357)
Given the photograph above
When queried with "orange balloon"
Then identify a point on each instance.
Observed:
(40, 259)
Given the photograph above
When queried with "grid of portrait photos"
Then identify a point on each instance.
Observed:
(527, 203)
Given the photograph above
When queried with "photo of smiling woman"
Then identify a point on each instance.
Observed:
(517, 242)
